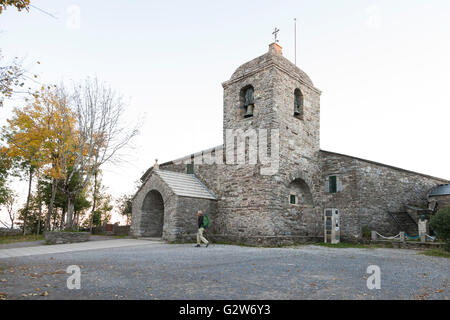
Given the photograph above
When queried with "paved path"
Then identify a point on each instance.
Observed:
(63, 248)
(142, 269)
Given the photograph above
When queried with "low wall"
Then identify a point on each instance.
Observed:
(121, 230)
(56, 237)
(250, 240)
(9, 232)
(111, 230)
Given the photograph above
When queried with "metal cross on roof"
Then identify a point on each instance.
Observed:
(275, 34)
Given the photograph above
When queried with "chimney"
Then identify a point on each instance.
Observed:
(275, 48)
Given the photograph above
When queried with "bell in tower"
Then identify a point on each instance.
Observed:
(249, 104)
(298, 103)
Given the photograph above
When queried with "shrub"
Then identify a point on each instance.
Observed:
(440, 223)
(366, 233)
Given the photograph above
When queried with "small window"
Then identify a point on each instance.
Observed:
(190, 168)
(293, 199)
(332, 184)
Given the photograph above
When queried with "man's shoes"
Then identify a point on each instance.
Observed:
(197, 246)
(207, 245)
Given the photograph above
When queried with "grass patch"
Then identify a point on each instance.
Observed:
(436, 253)
(121, 236)
(348, 245)
(20, 238)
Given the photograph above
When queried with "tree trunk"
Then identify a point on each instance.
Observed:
(25, 215)
(40, 209)
(77, 221)
(63, 218)
(50, 207)
(70, 210)
(94, 201)
(55, 218)
(38, 230)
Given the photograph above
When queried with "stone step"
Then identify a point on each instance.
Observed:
(406, 223)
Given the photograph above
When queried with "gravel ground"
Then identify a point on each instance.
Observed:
(164, 271)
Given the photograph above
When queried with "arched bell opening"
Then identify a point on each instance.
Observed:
(300, 199)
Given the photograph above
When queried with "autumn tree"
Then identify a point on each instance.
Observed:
(58, 123)
(39, 134)
(25, 137)
(5, 164)
(101, 134)
(18, 4)
(9, 203)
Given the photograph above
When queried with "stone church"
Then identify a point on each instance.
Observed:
(311, 195)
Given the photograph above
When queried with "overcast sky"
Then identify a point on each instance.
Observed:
(383, 68)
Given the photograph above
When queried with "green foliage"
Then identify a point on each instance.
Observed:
(5, 165)
(20, 238)
(436, 253)
(348, 245)
(366, 234)
(440, 223)
(102, 213)
(33, 216)
(124, 205)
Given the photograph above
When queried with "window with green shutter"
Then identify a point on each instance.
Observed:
(332, 184)
(293, 199)
(190, 168)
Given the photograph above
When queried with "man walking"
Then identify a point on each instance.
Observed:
(200, 230)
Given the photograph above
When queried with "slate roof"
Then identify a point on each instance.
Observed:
(185, 185)
(441, 190)
(266, 60)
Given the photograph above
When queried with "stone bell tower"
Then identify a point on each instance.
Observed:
(270, 92)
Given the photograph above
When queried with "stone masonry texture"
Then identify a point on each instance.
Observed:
(255, 208)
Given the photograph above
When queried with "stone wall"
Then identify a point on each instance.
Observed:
(180, 213)
(141, 217)
(369, 190)
(186, 224)
(115, 230)
(253, 207)
(443, 201)
(56, 237)
(121, 230)
(9, 232)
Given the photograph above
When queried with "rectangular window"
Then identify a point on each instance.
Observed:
(190, 168)
(292, 199)
(333, 184)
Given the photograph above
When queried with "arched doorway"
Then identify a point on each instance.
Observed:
(152, 219)
(301, 207)
(300, 190)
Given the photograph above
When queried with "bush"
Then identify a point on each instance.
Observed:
(440, 223)
(366, 233)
